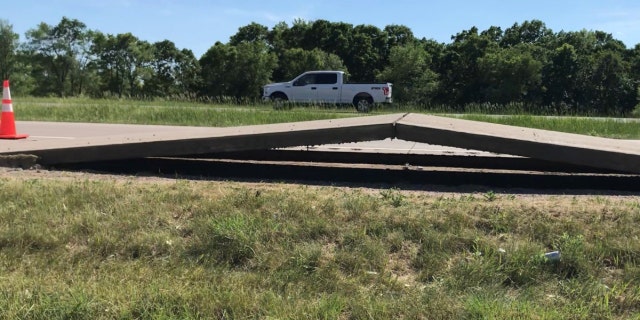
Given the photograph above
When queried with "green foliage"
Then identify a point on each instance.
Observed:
(8, 46)
(529, 32)
(253, 32)
(171, 112)
(490, 196)
(294, 62)
(237, 71)
(610, 89)
(173, 71)
(511, 75)
(393, 196)
(585, 72)
(560, 76)
(410, 72)
(163, 112)
(636, 111)
(62, 52)
(108, 248)
(226, 240)
(604, 127)
(122, 64)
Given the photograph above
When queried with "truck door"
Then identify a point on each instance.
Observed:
(303, 89)
(327, 87)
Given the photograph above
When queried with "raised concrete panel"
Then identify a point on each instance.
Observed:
(93, 142)
(57, 143)
(613, 154)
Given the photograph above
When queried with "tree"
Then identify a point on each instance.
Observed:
(296, 61)
(366, 53)
(123, 64)
(510, 75)
(8, 47)
(600, 77)
(236, 71)
(560, 76)
(580, 71)
(253, 32)
(60, 49)
(589, 42)
(187, 73)
(174, 71)
(634, 71)
(294, 37)
(276, 39)
(398, 35)
(610, 90)
(605, 41)
(409, 71)
(494, 33)
(217, 66)
(461, 75)
(318, 36)
(340, 40)
(532, 32)
(14, 64)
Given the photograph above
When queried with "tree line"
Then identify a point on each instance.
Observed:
(526, 64)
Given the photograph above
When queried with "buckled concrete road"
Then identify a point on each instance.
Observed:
(56, 143)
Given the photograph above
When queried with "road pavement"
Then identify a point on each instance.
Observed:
(54, 142)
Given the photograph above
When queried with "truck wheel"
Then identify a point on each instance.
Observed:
(279, 101)
(363, 104)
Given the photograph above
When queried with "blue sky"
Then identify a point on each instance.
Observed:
(198, 24)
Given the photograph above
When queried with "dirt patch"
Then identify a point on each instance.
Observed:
(24, 167)
(23, 161)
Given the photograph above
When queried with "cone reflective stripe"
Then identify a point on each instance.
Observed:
(8, 122)
(6, 97)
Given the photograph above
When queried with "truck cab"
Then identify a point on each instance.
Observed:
(316, 87)
(328, 87)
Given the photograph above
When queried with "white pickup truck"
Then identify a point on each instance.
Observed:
(327, 87)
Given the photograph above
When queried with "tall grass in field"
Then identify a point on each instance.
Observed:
(604, 127)
(519, 108)
(223, 115)
(164, 112)
(121, 249)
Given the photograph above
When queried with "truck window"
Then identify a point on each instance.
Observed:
(305, 80)
(326, 78)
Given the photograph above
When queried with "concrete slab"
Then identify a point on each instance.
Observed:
(82, 142)
(56, 143)
(619, 155)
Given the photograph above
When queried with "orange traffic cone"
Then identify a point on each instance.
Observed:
(8, 123)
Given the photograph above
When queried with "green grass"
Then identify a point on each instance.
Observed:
(81, 248)
(224, 115)
(165, 112)
(170, 249)
(603, 127)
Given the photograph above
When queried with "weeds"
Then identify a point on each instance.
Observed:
(393, 197)
(165, 113)
(224, 113)
(122, 249)
(490, 196)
